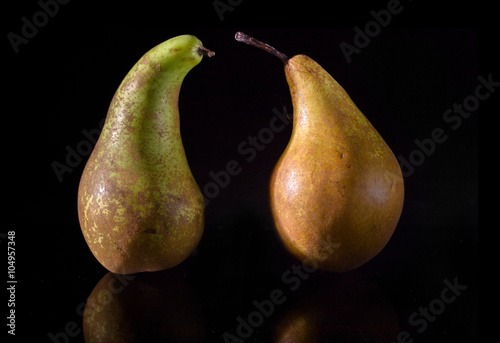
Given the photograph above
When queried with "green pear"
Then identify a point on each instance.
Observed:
(139, 206)
(337, 191)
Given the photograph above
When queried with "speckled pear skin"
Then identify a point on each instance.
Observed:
(337, 191)
(139, 206)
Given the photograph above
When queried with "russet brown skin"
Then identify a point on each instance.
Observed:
(337, 191)
(139, 206)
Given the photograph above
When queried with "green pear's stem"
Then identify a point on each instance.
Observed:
(205, 52)
(244, 38)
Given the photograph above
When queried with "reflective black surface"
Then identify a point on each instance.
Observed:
(241, 285)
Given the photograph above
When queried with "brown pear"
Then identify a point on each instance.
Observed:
(337, 191)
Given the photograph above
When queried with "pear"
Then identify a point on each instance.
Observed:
(337, 190)
(139, 206)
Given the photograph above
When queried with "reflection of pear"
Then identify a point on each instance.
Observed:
(347, 308)
(337, 191)
(154, 307)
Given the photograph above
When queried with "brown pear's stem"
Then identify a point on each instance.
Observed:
(244, 38)
(205, 52)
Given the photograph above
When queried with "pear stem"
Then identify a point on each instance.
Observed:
(244, 38)
(205, 52)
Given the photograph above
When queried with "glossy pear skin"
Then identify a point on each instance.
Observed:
(337, 191)
(139, 206)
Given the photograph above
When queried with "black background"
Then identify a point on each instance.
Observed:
(61, 83)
